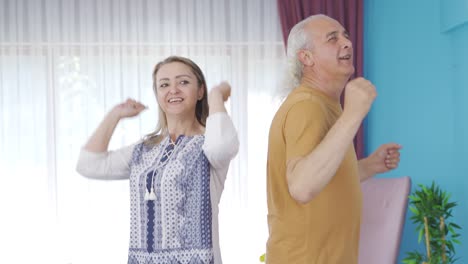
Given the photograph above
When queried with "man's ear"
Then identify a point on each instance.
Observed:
(306, 57)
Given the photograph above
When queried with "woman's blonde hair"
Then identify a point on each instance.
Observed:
(201, 108)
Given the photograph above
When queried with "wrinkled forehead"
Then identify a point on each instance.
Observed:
(321, 27)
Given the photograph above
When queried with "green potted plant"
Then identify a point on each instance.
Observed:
(432, 211)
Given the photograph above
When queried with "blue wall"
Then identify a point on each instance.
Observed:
(418, 60)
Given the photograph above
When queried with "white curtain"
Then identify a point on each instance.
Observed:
(65, 63)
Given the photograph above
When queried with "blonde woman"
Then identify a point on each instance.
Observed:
(176, 173)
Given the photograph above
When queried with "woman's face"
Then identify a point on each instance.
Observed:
(177, 90)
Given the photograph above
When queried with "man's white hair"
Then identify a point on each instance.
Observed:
(298, 39)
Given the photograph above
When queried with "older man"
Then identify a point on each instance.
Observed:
(313, 181)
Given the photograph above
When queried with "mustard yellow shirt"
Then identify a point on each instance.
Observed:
(325, 230)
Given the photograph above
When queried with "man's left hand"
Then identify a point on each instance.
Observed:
(385, 158)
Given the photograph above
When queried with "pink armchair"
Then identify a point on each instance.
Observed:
(385, 202)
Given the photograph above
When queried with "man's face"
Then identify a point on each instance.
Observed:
(332, 49)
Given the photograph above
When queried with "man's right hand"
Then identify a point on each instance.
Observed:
(359, 96)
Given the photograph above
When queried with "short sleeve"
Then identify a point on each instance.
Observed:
(304, 128)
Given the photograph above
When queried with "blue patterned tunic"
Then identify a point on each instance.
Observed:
(179, 224)
(175, 227)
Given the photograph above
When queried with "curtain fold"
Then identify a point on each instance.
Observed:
(64, 64)
(349, 13)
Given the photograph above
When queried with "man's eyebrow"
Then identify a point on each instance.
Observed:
(332, 33)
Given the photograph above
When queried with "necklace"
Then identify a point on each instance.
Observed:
(163, 158)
